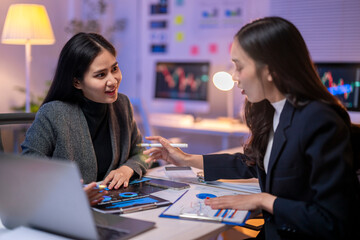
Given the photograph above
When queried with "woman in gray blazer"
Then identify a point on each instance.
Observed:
(300, 146)
(83, 117)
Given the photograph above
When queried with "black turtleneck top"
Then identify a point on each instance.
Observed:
(97, 117)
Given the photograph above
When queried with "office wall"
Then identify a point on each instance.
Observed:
(127, 44)
(327, 18)
(329, 27)
(198, 24)
(12, 57)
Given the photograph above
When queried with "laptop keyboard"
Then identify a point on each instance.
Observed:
(109, 233)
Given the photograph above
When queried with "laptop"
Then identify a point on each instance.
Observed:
(47, 195)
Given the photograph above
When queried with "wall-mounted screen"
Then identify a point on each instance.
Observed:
(343, 81)
(183, 82)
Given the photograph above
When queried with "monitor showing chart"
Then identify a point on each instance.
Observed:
(343, 81)
(182, 85)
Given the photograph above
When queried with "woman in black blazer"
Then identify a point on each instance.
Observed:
(299, 149)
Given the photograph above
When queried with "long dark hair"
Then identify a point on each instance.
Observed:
(74, 61)
(278, 44)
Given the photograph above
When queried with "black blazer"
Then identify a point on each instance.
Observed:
(310, 171)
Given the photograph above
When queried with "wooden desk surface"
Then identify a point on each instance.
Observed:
(175, 229)
(167, 228)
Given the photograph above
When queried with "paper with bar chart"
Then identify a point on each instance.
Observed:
(191, 206)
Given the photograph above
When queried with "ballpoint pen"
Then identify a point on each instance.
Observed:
(179, 145)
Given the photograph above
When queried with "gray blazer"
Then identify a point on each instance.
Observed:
(60, 131)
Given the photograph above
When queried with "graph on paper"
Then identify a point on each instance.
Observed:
(191, 206)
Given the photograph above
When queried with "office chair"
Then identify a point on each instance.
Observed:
(141, 117)
(11, 119)
(142, 120)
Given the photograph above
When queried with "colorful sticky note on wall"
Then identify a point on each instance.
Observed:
(213, 48)
(179, 19)
(194, 50)
(179, 36)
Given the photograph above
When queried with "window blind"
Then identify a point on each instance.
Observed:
(331, 28)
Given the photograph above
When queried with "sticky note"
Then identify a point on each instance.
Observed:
(194, 50)
(179, 36)
(179, 19)
(213, 48)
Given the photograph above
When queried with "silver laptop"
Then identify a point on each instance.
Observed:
(47, 195)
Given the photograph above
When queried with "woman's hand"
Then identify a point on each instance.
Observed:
(93, 193)
(167, 152)
(118, 177)
(257, 201)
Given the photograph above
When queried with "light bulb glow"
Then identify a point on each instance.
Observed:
(223, 81)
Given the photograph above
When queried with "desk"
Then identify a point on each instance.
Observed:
(167, 228)
(186, 123)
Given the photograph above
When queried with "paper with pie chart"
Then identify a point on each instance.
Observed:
(191, 206)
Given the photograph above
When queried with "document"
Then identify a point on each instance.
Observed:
(191, 206)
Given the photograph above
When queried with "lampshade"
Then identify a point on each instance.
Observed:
(27, 23)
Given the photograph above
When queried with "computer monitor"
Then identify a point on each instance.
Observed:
(343, 81)
(182, 87)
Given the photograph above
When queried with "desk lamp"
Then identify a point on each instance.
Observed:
(223, 81)
(27, 24)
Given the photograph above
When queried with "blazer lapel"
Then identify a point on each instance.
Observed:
(262, 179)
(115, 138)
(279, 140)
(86, 150)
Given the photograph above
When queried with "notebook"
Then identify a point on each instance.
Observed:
(47, 195)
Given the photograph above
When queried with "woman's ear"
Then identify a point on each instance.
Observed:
(267, 74)
(76, 83)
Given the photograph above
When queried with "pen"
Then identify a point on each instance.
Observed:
(179, 145)
(199, 217)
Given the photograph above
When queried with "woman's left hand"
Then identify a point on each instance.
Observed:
(243, 202)
(118, 177)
